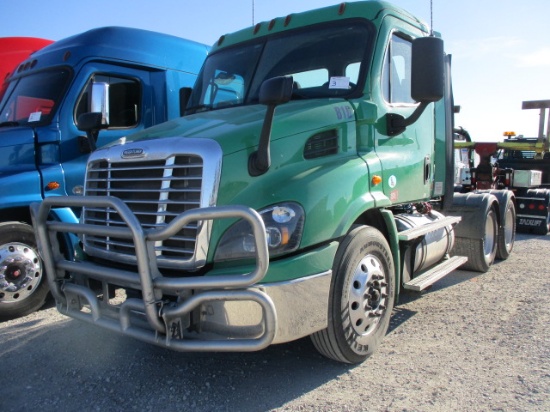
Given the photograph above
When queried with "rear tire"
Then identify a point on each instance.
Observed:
(507, 231)
(361, 300)
(481, 253)
(23, 287)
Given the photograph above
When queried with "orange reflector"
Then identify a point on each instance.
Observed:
(376, 180)
(52, 186)
(285, 236)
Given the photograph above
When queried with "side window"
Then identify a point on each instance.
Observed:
(396, 77)
(124, 100)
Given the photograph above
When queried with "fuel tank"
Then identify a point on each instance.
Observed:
(433, 246)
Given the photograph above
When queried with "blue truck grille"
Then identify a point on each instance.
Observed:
(156, 191)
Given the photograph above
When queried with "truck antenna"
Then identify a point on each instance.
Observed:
(431, 18)
(253, 12)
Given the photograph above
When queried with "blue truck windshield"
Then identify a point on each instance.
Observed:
(324, 61)
(31, 100)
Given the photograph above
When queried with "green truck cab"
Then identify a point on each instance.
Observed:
(307, 184)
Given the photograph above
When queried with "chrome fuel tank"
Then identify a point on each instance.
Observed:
(434, 245)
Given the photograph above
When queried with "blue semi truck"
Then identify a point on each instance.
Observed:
(137, 76)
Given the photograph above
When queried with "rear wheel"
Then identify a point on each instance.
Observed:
(507, 231)
(23, 288)
(481, 253)
(362, 297)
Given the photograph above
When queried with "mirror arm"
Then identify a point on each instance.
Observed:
(260, 161)
(273, 92)
(396, 124)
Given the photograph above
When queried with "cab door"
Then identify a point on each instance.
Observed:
(130, 107)
(407, 157)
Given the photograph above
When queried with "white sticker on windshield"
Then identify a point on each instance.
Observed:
(339, 82)
(35, 117)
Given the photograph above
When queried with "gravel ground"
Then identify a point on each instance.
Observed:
(476, 342)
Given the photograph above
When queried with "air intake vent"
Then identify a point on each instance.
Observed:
(322, 144)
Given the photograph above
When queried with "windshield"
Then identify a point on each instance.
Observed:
(33, 98)
(325, 61)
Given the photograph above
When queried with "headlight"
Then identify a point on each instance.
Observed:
(284, 224)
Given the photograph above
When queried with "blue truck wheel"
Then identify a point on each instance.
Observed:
(23, 288)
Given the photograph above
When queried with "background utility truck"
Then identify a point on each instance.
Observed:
(310, 182)
(518, 163)
(43, 153)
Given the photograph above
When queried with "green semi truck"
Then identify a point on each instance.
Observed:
(309, 183)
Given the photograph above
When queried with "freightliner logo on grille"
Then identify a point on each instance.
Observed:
(132, 153)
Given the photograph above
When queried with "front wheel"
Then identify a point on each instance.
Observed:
(23, 288)
(362, 297)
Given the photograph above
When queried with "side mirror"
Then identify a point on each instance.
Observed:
(427, 81)
(99, 101)
(428, 69)
(276, 90)
(98, 117)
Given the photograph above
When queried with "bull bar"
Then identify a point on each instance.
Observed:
(163, 318)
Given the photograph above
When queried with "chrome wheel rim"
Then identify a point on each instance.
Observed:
(368, 295)
(20, 272)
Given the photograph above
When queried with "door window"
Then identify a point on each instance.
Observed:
(396, 76)
(124, 100)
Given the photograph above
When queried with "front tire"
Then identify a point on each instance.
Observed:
(362, 297)
(23, 288)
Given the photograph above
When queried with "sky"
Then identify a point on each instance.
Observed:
(500, 48)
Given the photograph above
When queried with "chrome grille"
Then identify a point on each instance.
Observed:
(156, 189)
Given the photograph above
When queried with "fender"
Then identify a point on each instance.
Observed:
(473, 208)
(70, 242)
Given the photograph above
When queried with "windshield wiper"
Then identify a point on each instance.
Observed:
(9, 124)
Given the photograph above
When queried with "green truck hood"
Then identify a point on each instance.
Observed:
(239, 128)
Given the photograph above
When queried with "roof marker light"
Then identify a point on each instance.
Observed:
(257, 28)
(342, 8)
(287, 20)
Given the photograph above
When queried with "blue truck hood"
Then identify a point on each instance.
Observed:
(239, 128)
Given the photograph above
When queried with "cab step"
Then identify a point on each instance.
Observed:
(434, 274)
(416, 232)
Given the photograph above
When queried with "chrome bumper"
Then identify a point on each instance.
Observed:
(226, 312)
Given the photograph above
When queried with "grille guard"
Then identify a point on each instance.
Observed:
(160, 318)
